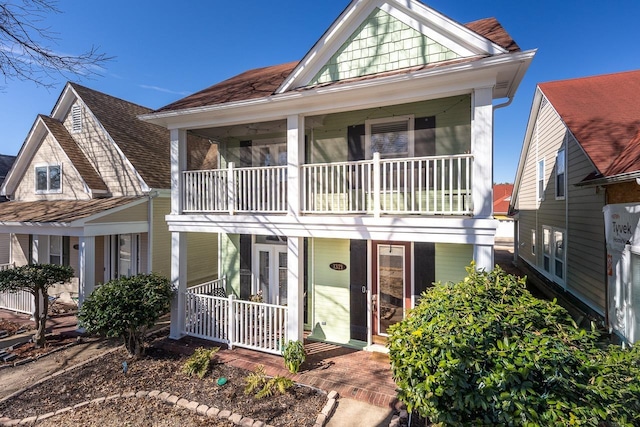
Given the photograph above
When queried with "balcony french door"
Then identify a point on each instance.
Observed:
(271, 267)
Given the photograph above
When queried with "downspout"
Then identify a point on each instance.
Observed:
(504, 104)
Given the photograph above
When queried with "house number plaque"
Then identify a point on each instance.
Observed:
(337, 266)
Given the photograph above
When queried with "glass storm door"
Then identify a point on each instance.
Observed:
(272, 273)
(391, 286)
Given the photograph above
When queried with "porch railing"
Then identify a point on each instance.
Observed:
(245, 190)
(434, 185)
(21, 301)
(252, 325)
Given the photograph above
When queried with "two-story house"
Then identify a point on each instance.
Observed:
(90, 189)
(581, 155)
(352, 179)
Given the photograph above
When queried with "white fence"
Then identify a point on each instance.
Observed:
(247, 324)
(21, 301)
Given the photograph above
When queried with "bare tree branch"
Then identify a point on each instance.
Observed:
(25, 46)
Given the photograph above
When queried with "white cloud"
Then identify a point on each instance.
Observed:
(161, 89)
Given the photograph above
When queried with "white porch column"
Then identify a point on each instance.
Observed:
(482, 150)
(179, 283)
(483, 256)
(295, 158)
(178, 164)
(87, 267)
(295, 286)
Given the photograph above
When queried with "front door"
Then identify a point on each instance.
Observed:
(391, 284)
(271, 268)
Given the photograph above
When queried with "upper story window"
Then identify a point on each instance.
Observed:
(49, 179)
(76, 118)
(391, 137)
(540, 179)
(560, 175)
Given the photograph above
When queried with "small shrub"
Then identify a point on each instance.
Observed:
(259, 384)
(198, 362)
(294, 355)
(126, 307)
(486, 352)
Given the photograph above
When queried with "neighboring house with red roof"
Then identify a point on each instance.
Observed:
(501, 200)
(581, 155)
(90, 189)
(352, 179)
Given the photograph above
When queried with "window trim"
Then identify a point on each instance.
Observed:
(409, 119)
(48, 190)
(540, 166)
(564, 174)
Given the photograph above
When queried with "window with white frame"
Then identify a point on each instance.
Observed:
(540, 179)
(560, 175)
(59, 250)
(391, 137)
(48, 178)
(533, 242)
(76, 118)
(553, 242)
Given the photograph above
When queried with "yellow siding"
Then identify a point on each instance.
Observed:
(161, 237)
(20, 249)
(5, 241)
(135, 213)
(451, 260)
(50, 153)
(143, 253)
(331, 318)
(202, 257)
(103, 155)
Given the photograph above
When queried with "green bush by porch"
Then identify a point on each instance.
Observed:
(484, 351)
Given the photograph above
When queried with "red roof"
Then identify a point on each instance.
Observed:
(263, 82)
(603, 113)
(501, 198)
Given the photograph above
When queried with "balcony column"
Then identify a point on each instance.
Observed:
(482, 150)
(178, 165)
(87, 267)
(483, 256)
(295, 158)
(179, 283)
(295, 286)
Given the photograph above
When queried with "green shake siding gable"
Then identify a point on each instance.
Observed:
(381, 43)
(331, 320)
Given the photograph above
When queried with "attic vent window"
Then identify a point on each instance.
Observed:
(76, 118)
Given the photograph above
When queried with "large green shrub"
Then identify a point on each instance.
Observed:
(36, 279)
(486, 352)
(126, 307)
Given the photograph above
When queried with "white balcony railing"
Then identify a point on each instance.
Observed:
(435, 185)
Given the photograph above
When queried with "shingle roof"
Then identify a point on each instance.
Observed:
(501, 198)
(71, 149)
(145, 145)
(263, 82)
(58, 211)
(603, 113)
(5, 164)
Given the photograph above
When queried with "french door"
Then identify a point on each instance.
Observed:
(270, 264)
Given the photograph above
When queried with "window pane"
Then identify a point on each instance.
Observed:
(54, 177)
(41, 178)
(558, 238)
(390, 139)
(124, 264)
(546, 241)
(55, 250)
(559, 269)
(533, 242)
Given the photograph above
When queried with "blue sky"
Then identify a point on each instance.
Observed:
(166, 49)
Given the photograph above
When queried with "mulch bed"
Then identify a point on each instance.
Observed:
(159, 369)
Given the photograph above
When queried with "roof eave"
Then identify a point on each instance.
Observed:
(299, 99)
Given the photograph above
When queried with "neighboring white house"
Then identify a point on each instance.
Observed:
(90, 189)
(581, 155)
(352, 179)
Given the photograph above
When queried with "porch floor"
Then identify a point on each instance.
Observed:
(354, 374)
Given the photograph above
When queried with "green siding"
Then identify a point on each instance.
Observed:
(202, 257)
(230, 248)
(330, 289)
(451, 260)
(381, 43)
(328, 134)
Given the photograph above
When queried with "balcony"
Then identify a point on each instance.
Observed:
(434, 185)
